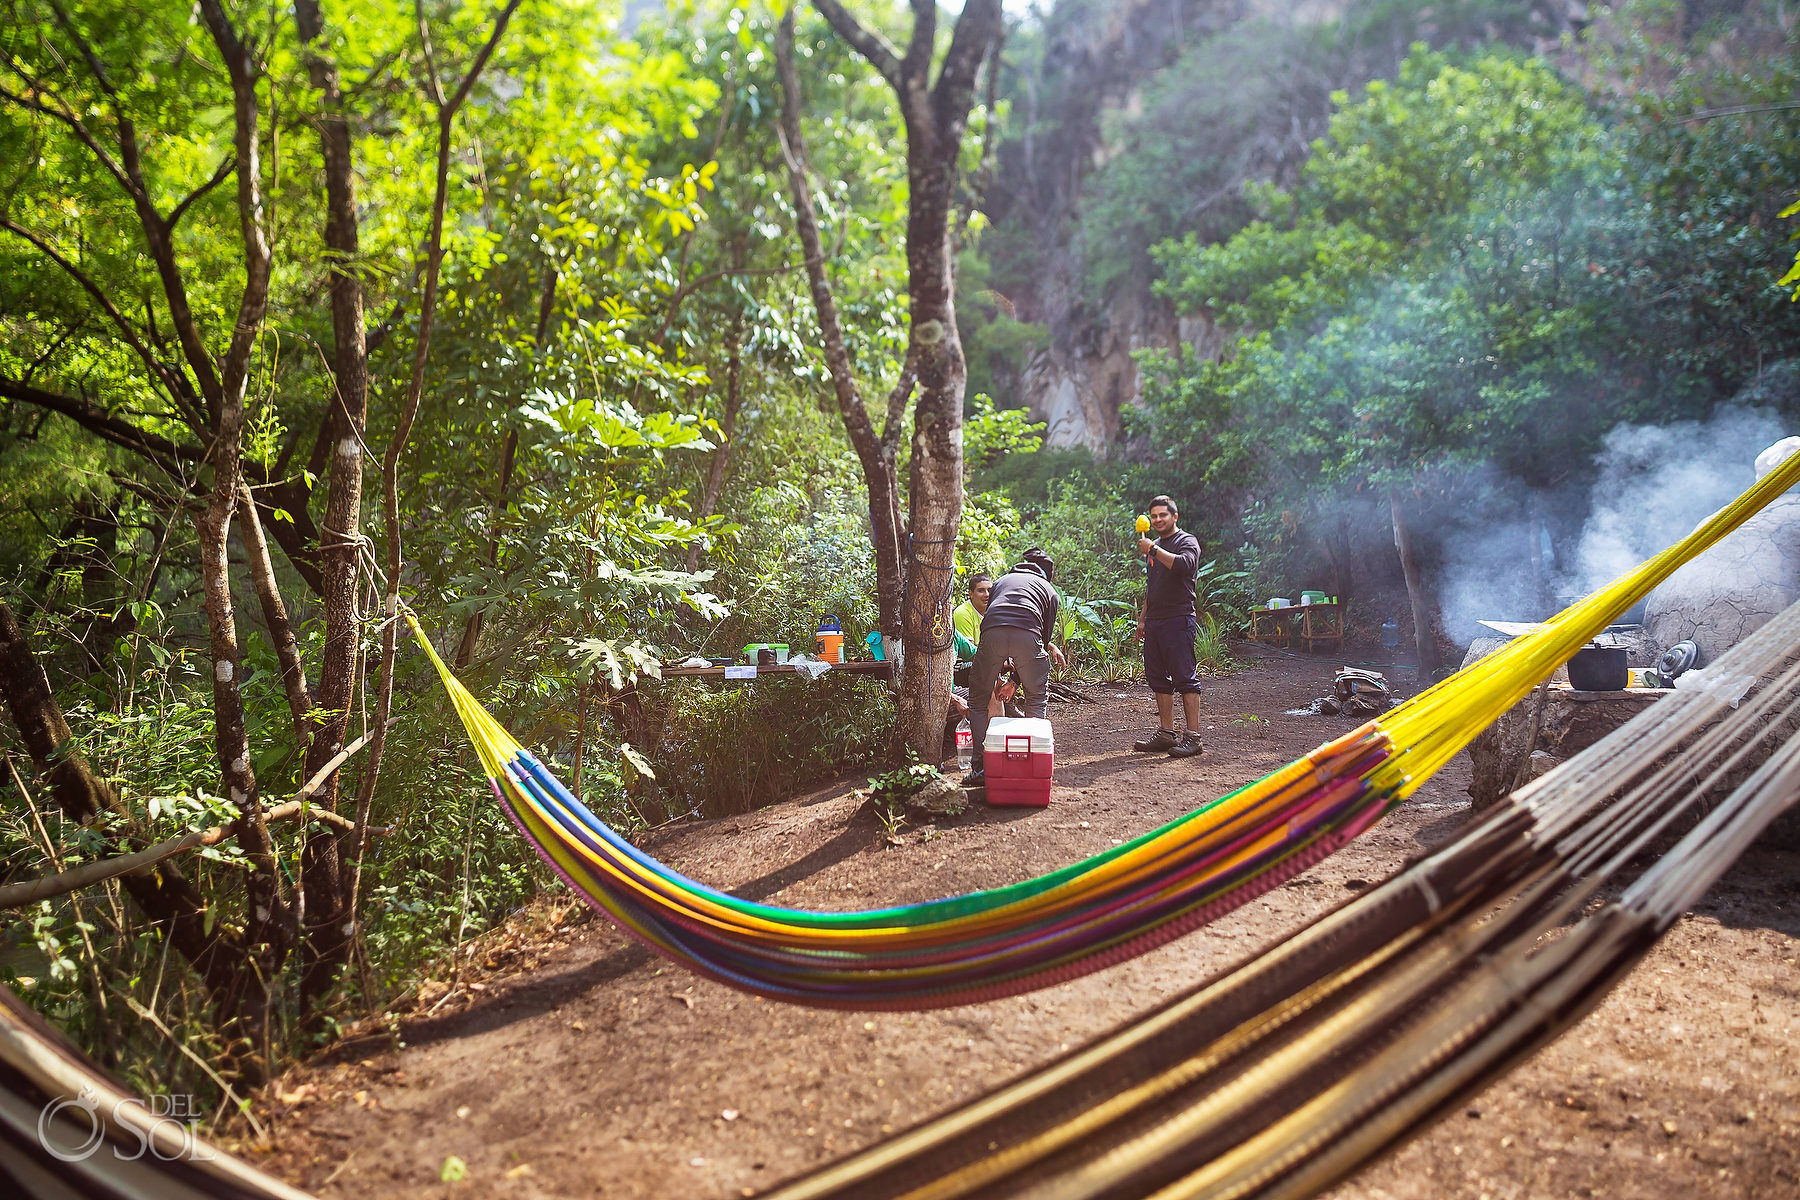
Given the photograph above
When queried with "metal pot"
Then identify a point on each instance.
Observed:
(1599, 669)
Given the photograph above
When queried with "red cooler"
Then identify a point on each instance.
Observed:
(1019, 753)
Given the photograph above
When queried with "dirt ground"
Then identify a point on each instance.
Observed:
(580, 1065)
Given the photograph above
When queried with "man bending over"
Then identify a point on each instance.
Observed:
(1019, 624)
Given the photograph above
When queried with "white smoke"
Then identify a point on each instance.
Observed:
(1487, 570)
(1659, 481)
(1655, 483)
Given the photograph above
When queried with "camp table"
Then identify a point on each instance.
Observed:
(879, 669)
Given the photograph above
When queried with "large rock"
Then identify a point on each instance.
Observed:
(1736, 587)
(1572, 721)
(1507, 754)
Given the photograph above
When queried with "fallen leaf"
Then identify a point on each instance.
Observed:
(519, 1172)
(361, 1098)
(454, 1170)
(577, 1026)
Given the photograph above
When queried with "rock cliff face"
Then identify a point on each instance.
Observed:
(1094, 60)
(1079, 103)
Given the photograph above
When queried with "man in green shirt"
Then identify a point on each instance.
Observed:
(966, 618)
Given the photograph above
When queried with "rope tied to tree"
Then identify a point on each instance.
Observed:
(935, 619)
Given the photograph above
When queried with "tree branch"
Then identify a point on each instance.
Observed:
(877, 462)
(57, 113)
(921, 47)
(881, 53)
(895, 422)
(171, 383)
(699, 281)
(978, 28)
(91, 417)
(281, 631)
(17, 895)
(390, 467)
(218, 177)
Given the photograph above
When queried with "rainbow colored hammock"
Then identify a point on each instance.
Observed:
(1084, 917)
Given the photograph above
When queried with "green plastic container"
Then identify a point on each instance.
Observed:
(1313, 597)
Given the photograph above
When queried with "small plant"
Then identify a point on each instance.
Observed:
(890, 792)
(895, 786)
(1252, 724)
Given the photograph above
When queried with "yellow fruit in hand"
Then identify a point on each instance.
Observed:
(1143, 524)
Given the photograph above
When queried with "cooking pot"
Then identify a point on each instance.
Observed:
(1599, 669)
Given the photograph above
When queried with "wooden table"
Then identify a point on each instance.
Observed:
(1314, 627)
(864, 666)
(1320, 626)
(1271, 626)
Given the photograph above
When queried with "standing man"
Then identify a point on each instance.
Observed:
(1019, 624)
(1167, 625)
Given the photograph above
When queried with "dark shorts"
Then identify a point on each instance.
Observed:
(1169, 655)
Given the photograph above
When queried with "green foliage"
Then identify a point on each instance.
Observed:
(990, 433)
(1477, 270)
(1100, 638)
(1093, 539)
(730, 749)
(989, 532)
(1212, 652)
(1380, 187)
(1792, 278)
(893, 787)
(617, 217)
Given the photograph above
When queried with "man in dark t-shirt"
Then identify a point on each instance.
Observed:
(1167, 625)
(1019, 625)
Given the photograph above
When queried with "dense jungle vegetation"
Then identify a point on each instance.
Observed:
(508, 315)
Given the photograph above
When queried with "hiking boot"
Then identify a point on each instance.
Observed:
(1162, 739)
(1186, 746)
(977, 778)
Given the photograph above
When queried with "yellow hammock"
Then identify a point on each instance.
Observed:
(1081, 918)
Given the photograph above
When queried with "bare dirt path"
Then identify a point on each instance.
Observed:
(585, 1067)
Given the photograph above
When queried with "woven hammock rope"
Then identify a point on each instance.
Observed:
(1081, 918)
(1289, 1071)
(1331, 1046)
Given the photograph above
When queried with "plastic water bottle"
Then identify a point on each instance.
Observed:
(965, 746)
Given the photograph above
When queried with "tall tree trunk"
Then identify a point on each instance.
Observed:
(935, 483)
(1416, 591)
(341, 538)
(335, 939)
(875, 452)
(936, 114)
(265, 921)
